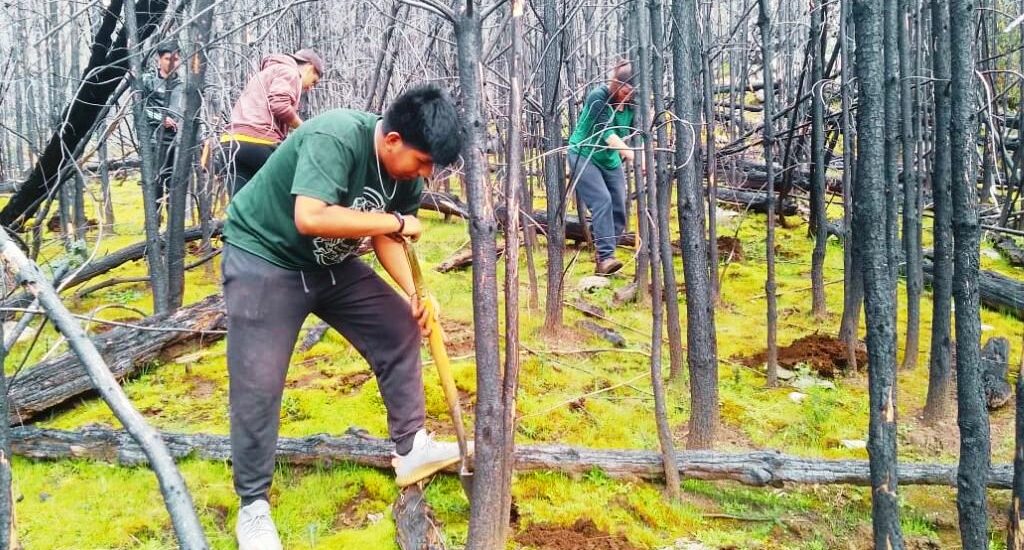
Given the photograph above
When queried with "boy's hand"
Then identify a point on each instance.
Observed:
(413, 227)
(626, 154)
(420, 313)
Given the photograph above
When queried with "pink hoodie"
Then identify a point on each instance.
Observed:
(269, 101)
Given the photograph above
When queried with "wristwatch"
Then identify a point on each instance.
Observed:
(401, 222)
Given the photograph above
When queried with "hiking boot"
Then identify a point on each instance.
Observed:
(255, 529)
(607, 266)
(426, 457)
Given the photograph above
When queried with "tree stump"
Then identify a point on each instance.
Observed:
(995, 359)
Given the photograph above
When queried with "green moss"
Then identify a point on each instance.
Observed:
(75, 504)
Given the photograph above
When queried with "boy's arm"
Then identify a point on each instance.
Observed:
(391, 253)
(316, 218)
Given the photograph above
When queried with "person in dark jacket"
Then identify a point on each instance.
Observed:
(162, 99)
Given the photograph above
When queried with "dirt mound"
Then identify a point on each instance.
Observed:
(581, 535)
(826, 355)
(730, 249)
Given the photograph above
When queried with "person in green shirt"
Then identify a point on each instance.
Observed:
(291, 235)
(597, 148)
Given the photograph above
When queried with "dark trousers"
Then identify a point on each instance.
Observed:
(244, 160)
(604, 193)
(166, 152)
(266, 306)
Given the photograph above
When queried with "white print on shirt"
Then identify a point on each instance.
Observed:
(334, 251)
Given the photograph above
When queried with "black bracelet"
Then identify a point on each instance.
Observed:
(401, 222)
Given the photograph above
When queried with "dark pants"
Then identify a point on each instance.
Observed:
(166, 153)
(266, 306)
(244, 160)
(604, 193)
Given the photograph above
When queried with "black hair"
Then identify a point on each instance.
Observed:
(166, 47)
(426, 119)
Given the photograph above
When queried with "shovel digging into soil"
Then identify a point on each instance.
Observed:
(440, 355)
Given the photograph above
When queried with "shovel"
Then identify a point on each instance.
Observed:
(444, 372)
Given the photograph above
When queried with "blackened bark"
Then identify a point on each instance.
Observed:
(972, 416)
(764, 22)
(661, 169)
(154, 246)
(485, 528)
(701, 341)
(657, 233)
(554, 168)
(513, 189)
(853, 282)
(939, 365)
(911, 216)
(819, 221)
(1015, 529)
(195, 75)
(870, 236)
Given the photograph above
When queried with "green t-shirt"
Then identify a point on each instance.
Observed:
(598, 121)
(331, 158)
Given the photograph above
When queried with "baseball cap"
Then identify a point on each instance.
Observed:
(309, 56)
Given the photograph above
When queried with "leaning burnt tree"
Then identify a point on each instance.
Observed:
(107, 66)
(870, 236)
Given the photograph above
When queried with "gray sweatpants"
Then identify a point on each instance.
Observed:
(604, 193)
(266, 306)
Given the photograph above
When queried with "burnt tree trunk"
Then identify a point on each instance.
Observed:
(701, 341)
(657, 254)
(195, 75)
(871, 237)
(1015, 529)
(819, 221)
(661, 169)
(554, 168)
(937, 403)
(485, 527)
(911, 215)
(853, 282)
(764, 22)
(972, 417)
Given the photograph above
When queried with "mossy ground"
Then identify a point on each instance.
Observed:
(87, 505)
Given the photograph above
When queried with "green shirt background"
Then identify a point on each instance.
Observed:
(331, 158)
(599, 120)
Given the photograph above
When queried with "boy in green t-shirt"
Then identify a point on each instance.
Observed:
(596, 152)
(292, 234)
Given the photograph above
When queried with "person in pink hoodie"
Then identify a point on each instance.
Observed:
(266, 111)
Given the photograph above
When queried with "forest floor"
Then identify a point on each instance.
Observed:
(89, 505)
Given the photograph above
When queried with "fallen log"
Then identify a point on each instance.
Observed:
(757, 468)
(463, 259)
(607, 334)
(103, 264)
(124, 349)
(755, 202)
(444, 203)
(313, 336)
(1008, 248)
(998, 292)
(131, 253)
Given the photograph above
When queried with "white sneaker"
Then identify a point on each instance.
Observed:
(255, 528)
(426, 457)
